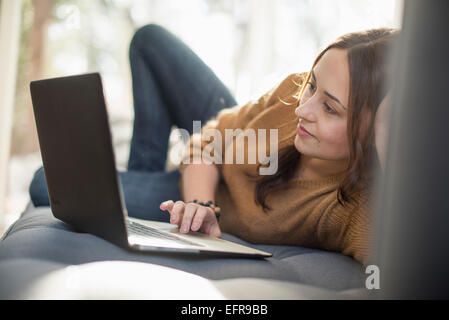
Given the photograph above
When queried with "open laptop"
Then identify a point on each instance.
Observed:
(82, 180)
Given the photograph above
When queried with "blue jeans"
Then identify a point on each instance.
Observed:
(171, 86)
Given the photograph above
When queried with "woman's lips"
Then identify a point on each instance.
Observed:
(303, 132)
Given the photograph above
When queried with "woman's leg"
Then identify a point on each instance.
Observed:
(171, 86)
(143, 192)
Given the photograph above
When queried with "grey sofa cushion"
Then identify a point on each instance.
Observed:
(38, 236)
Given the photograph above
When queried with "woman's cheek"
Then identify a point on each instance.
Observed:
(337, 142)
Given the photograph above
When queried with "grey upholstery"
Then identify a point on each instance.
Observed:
(38, 246)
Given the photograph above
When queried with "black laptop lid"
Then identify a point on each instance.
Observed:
(77, 155)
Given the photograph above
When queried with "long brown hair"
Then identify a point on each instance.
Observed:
(368, 69)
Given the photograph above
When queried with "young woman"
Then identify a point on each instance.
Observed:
(331, 127)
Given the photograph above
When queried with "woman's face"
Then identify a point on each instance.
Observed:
(322, 110)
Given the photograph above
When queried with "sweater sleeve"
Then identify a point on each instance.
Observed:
(349, 229)
(358, 238)
(233, 118)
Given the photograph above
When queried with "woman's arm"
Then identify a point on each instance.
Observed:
(199, 181)
(381, 129)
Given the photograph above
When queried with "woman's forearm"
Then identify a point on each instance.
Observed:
(199, 181)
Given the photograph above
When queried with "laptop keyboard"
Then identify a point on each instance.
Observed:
(139, 229)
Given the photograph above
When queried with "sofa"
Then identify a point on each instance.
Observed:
(41, 257)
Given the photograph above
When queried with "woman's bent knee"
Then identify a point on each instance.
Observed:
(38, 189)
(147, 34)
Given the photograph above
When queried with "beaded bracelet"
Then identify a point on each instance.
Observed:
(211, 205)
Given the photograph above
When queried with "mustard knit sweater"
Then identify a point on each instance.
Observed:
(306, 212)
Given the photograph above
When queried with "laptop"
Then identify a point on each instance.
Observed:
(82, 181)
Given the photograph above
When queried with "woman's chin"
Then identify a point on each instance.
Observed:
(299, 145)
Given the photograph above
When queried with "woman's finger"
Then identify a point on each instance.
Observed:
(177, 212)
(215, 231)
(189, 212)
(199, 217)
(167, 205)
(211, 228)
(209, 224)
(191, 216)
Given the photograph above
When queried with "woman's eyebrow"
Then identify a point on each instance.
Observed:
(327, 93)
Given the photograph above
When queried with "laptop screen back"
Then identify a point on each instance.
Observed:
(78, 156)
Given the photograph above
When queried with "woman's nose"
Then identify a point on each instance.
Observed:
(305, 111)
(297, 111)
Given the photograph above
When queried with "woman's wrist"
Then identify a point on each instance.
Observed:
(211, 204)
(199, 181)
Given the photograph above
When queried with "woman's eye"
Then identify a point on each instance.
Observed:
(312, 87)
(329, 109)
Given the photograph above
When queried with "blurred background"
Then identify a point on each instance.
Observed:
(250, 44)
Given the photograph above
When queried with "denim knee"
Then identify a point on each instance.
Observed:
(150, 33)
(147, 34)
(38, 189)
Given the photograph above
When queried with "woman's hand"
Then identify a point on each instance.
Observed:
(192, 216)
(381, 129)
